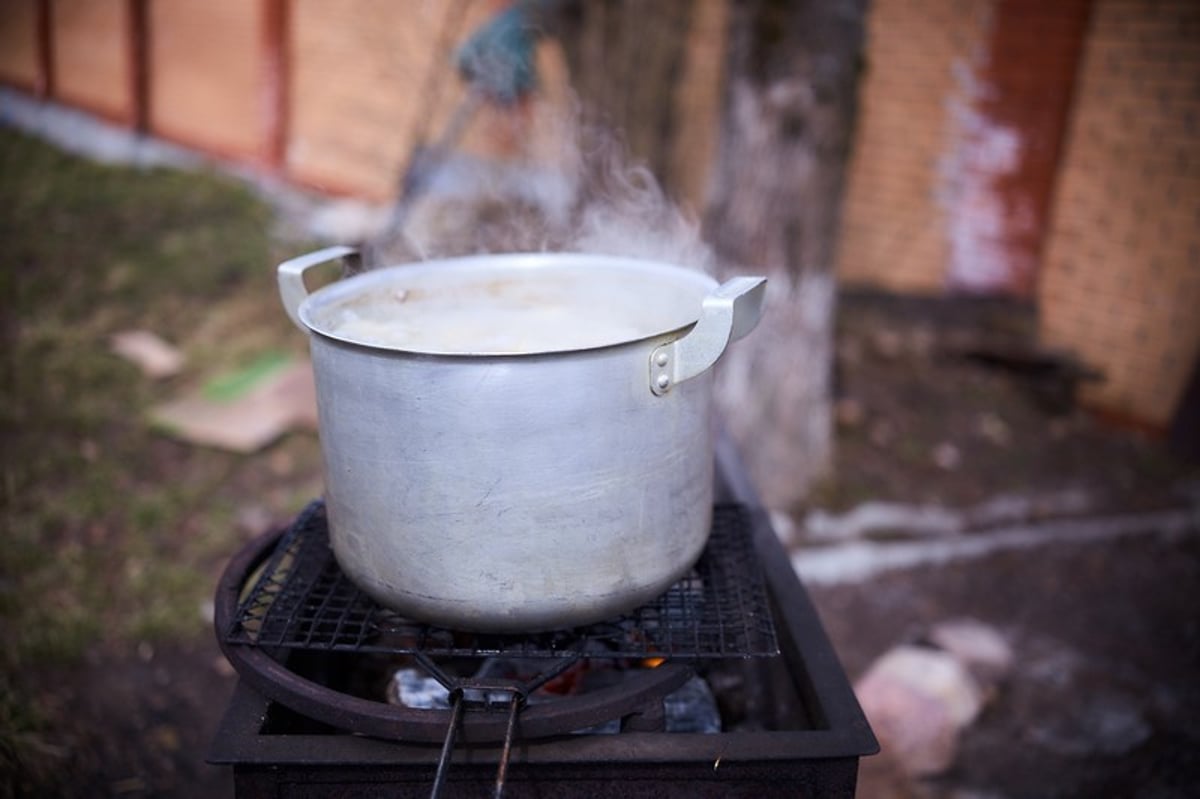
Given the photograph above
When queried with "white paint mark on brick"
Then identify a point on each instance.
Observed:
(978, 220)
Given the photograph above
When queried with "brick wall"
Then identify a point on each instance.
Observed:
(894, 219)
(962, 110)
(1120, 282)
(20, 41)
(1005, 158)
(359, 74)
(207, 85)
(967, 172)
(370, 79)
(92, 61)
(1048, 150)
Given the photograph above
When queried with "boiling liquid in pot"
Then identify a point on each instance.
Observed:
(482, 330)
(497, 317)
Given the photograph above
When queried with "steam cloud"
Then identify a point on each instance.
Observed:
(593, 200)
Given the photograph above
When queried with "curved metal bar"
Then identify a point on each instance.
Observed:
(276, 681)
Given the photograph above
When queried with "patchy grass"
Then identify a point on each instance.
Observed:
(113, 534)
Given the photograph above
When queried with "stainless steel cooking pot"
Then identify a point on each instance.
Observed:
(517, 442)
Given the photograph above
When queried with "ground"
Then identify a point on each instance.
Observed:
(114, 534)
(1102, 695)
(112, 683)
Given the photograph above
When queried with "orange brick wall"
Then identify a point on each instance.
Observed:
(1009, 147)
(207, 83)
(966, 172)
(369, 79)
(92, 56)
(1046, 150)
(19, 55)
(356, 79)
(894, 219)
(963, 108)
(1120, 282)
(333, 94)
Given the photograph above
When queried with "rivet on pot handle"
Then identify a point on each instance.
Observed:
(291, 278)
(731, 311)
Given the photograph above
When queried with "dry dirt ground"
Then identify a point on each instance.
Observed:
(1104, 696)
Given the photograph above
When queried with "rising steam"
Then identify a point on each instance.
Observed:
(593, 199)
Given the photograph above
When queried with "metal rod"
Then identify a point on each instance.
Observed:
(436, 671)
(549, 674)
(447, 746)
(506, 752)
(425, 162)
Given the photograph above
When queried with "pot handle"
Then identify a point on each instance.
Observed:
(731, 311)
(291, 278)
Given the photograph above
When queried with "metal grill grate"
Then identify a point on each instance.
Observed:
(302, 600)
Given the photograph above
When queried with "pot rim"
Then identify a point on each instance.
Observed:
(309, 310)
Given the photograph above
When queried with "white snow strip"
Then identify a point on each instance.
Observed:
(83, 134)
(862, 560)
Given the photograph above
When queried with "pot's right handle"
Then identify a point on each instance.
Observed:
(291, 278)
(731, 311)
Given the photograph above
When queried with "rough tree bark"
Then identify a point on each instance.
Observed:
(787, 119)
(787, 115)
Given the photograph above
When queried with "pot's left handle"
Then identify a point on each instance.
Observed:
(731, 311)
(291, 278)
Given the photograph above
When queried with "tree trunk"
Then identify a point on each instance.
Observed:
(787, 119)
(626, 58)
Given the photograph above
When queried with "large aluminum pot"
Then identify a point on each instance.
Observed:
(517, 442)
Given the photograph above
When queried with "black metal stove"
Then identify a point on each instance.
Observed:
(309, 718)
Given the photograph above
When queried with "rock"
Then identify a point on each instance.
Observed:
(994, 429)
(692, 708)
(978, 646)
(918, 700)
(413, 688)
(947, 456)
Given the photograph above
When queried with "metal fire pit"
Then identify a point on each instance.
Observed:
(293, 628)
